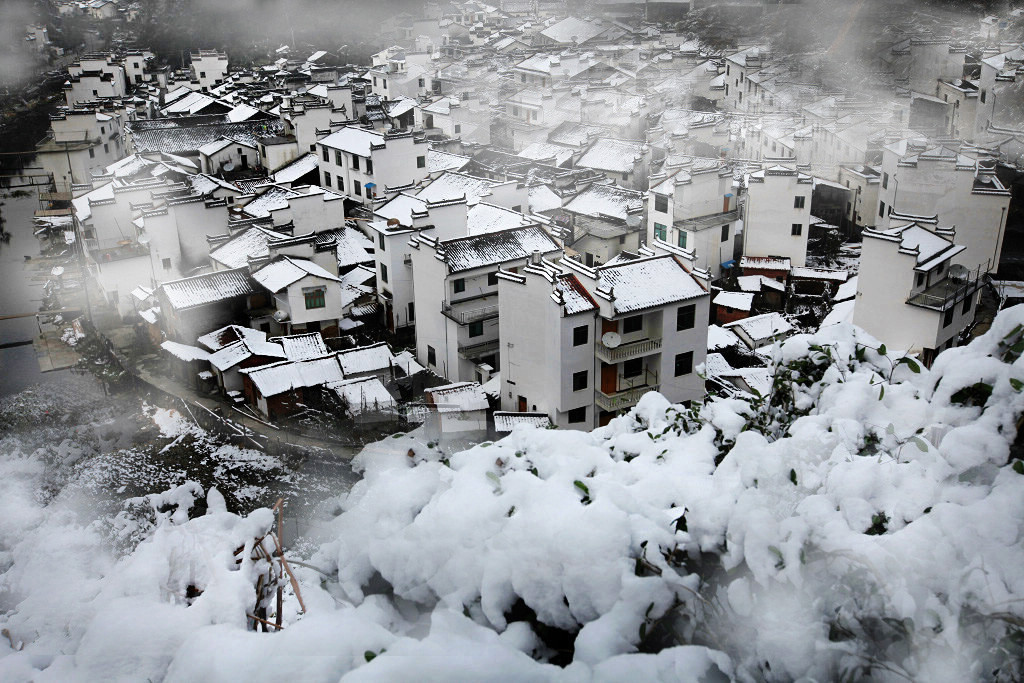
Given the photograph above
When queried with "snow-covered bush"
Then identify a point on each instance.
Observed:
(863, 520)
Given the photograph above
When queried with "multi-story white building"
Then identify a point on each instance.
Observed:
(697, 209)
(909, 295)
(365, 164)
(209, 68)
(863, 182)
(961, 191)
(456, 293)
(581, 344)
(777, 214)
(94, 77)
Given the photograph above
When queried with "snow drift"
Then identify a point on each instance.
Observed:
(864, 519)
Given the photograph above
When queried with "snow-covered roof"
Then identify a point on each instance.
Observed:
(720, 338)
(445, 161)
(758, 283)
(759, 328)
(483, 218)
(229, 334)
(573, 30)
(715, 364)
(828, 274)
(184, 351)
(296, 169)
(362, 394)
(248, 244)
(765, 263)
(543, 198)
(407, 362)
(929, 248)
(365, 359)
(631, 286)
(303, 346)
(234, 353)
(458, 397)
(610, 154)
(466, 253)
(606, 200)
(740, 301)
(354, 140)
(452, 185)
(547, 150)
(506, 422)
(277, 378)
(285, 271)
(847, 290)
(200, 290)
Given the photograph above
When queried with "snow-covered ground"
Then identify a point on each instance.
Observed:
(862, 521)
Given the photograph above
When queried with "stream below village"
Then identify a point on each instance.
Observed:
(69, 441)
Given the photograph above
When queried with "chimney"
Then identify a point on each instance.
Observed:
(535, 257)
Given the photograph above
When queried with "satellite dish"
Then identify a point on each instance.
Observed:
(280, 316)
(57, 271)
(228, 167)
(611, 339)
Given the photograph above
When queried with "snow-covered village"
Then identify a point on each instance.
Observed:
(534, 340)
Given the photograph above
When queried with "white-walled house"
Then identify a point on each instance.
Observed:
(920, 180)
(697, 209)
(364, 164)
(306, 298)
(863, 181)
(209, 68)
(777, 214)
(456, 294)
(909, 295)
(581, 345)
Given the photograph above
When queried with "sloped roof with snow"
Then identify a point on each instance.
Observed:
(209, 288)
(575, 297)
(184, 351)
(451, 185)
(506, 422)
(609, 154)
(762, 327)
(366, 359)
(353, 140)
(573, 30)
(285, 271)
(741, 301)
(248, 244)
(483, 218)
(759, 283)
(229, 334)
(720, 338)
(445, 161)
(646, 283)
(234, 353)
(606, 200)
(466, 253)
(303, 346)
(296, 169)
(278, 378)
(458, 397)
(363, 393)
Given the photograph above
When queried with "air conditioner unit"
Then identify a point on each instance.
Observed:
(407, 259)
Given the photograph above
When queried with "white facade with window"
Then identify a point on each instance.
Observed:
(920, 180)
(581, 345)
(907, 295)
(777, 214)
(364, 164)
(697, 209)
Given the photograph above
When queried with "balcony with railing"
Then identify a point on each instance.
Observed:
(628, 391)
(474, 349)
(470, 310)
(712, 220)
(948, 291)
(105, 251)
(624, 352)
